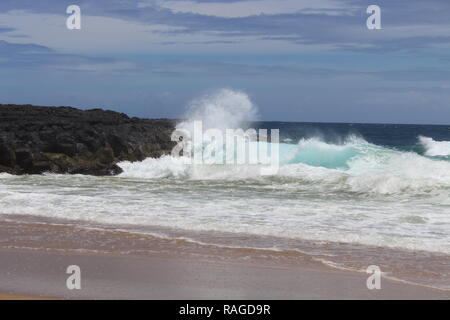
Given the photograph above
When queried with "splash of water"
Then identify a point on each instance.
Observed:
(221, 109)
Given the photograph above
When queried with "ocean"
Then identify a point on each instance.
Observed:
(348, 195)
(345, 194)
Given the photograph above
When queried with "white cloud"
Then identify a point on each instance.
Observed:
(104, 35)
(99, 67)
(97, 34)
(252, 7)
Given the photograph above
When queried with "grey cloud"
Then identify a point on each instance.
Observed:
(341, 31)
(25, 56)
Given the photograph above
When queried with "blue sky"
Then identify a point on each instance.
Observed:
(299, 60)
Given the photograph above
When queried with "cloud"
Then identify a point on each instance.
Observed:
(5, 29)
(7, 48)
(239, 9)
(18, 57)
(309, 59)
(274, 25)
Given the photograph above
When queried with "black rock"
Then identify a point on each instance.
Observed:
(35, 139)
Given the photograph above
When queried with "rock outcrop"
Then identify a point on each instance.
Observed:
(35, 139)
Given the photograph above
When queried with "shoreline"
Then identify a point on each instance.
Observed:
(418, 268)
(121, 265)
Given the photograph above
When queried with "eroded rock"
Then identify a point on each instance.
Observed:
(35, 139)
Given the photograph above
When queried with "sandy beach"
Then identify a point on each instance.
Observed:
(28, 274)
(171, 269)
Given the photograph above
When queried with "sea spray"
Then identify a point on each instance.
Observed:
(221, 109)
(213, 136)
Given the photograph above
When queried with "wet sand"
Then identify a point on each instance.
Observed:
(43, 274)
(7, 296)
(120, 265)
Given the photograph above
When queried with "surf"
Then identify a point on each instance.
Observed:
(349, 164)
(435, 148)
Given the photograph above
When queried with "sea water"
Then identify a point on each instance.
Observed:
(344, 186)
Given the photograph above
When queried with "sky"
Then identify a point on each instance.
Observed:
(298, 60)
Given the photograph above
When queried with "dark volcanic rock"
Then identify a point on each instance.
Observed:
(68, 140)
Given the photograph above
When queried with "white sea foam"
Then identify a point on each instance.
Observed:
(435, 148)
(150, 168)
(293, 210)
(355, 166)
(383, 197)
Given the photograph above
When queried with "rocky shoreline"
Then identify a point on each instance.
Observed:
(34, 140)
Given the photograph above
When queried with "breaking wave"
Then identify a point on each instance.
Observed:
(353, 165)
(435, 148)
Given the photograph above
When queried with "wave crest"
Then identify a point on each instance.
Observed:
(353, 166)
(435, 148)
